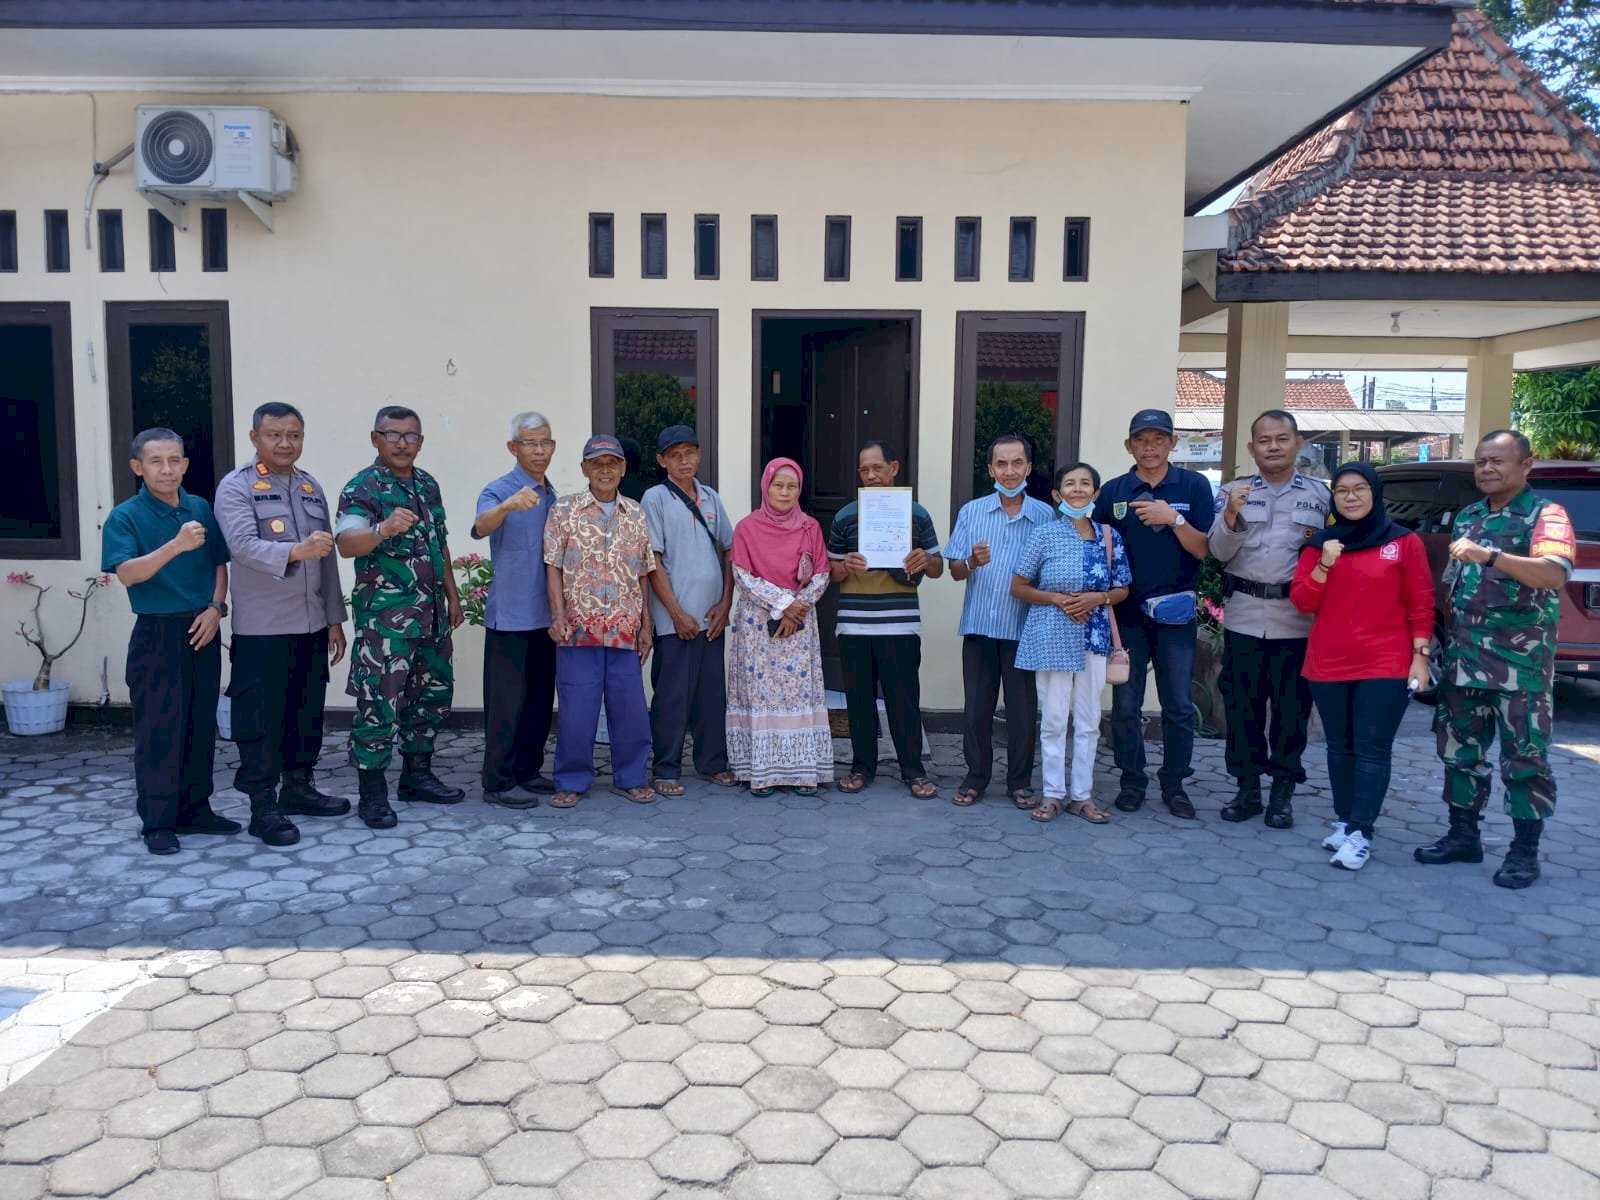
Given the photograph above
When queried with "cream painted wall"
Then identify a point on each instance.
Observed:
(453, 228)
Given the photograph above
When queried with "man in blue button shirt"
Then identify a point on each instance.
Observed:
(990, 535)
(519, 657)
(165, 547)
(1163, 513)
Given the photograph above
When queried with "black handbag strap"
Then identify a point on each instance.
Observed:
(689, 503)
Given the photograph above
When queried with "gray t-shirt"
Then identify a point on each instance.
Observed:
(679, 540)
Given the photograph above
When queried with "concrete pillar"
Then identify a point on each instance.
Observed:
(1344, 447)
(1488, 396)
(1258, 359)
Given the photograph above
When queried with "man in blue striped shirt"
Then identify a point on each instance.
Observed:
(990, 535)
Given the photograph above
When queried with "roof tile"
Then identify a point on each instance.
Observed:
(1201, 389)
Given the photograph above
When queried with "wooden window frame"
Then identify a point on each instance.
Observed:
(214, 239)
(644, 245)
(901, 224)
(1067, 275)
(58, 316)
(106, 220)
(756, 222)
(8, 241)
(121, 316)
(1031, 224)
(596, 220)
(605, 323)
(830, 222)
(714, 220)
(57, 219)
(1069, 326)
(163, 235)
(977, 250)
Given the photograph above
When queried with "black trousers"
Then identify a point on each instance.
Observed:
(1256, 673)
(519, 693)
(895, 665)
(690, 696)
(278, 688)
(987, 664)
(1360, 718)
(174, 690)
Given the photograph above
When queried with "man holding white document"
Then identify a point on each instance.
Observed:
(880, 547)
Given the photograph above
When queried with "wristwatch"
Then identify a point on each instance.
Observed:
(1179, 520)
(220, 605)
(1494, 553)
(1424, 651)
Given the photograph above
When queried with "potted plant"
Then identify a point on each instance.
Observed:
(40, 706)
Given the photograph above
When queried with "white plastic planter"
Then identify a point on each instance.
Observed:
(29, 712)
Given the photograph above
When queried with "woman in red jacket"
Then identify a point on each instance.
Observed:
(1367, 581)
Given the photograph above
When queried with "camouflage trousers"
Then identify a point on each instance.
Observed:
(1466, 722)
(399, 684)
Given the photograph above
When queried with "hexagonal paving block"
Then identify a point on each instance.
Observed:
(866, 1113)
(792, 1045)
(271, 1173)
(698, 1160)
(1112, 1144)
(1208, 1172)
(468, 1129)
(790, 1088)
(292, 1050)
(102, 1168)
(939, 1092)
(352, 982)
(719, 1064)
(491, 1082)
(718, 1110)
(434, 1057)
(625, 1133)
(863, 1068)
(606, 987)
(403, 1101)
(440, 1177)
(1038, 1169)
(582, 1062)
(863, 1028)
(861, 991)
(345, 1076)
(948, 1140)
(210, 1143)
(560, 1106)
(253, 1094)
(613, 1179)
(733, 991)
(1338, 1125)
(371, 1151)
(1015, 1115)
(309, 1122)
(1006, 1072)
(791, 1007)
(591, 1023)
(874, 1166)
(642, 1084)
(928, 1010)
(154, 1115)
(376, 1035)
(651, 1043)
(789, 1137)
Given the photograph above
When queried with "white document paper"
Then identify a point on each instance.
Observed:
(883, 532)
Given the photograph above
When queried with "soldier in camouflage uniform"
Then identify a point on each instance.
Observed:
(391, 521)
(1510, 555)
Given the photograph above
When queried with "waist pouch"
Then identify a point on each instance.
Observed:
(1175, 609)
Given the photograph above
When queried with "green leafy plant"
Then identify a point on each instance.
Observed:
(648, 402)
(473, 574)
(1558, 410)
(35, 636)
(1560, 40)
(1008, 407)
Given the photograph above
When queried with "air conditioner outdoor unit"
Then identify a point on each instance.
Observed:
(219, 152)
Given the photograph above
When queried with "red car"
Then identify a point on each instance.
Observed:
(1426, 497)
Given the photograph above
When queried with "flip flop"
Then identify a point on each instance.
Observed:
(852, 783)
(1048, 811)
(1087, 810)
(923, 788)
(1024, 798)
(638, 795)
(667, 787)
(965, 797)
(565, 799)
(724, 779)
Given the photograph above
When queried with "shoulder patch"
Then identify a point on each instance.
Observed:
(1220, 503)
(1119, 510)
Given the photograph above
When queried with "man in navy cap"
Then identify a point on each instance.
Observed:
(692, 590)
(597, 555)
(1163, 513)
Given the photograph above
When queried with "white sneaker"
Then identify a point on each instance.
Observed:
(1336, 836)
(1352, 856)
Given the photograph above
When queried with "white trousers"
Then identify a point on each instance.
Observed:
(1074, 694)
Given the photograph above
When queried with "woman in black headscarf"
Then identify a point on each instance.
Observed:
(1367, 581)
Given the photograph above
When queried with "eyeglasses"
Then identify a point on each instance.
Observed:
(530, 444)
(1351, 492)
(395, 438)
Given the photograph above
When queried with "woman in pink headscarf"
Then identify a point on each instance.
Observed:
(777, 713)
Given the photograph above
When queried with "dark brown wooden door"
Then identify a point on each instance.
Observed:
(859, 387)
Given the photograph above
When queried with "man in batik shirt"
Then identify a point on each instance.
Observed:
(597, 554)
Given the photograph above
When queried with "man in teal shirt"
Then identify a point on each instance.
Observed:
(165, 547)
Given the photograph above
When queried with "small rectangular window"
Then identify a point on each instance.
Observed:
(764, 247)
(969, 238)
(163, 243)
(1075, 267)
(707, 248)
(653, 245)
(908, 249)
(213, 239)
(1019, 261)
(836, 250)
(602, 246)
(8, 240)
(111, 251)
(57, 240)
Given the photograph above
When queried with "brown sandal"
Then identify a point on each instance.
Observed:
(852, 783)
(965, 797)
(725, 779)
(923, 788)
(1024, 798)
(1087, 810)
(1048, 811)
(639, 795)
(565, 799)
(668, 787)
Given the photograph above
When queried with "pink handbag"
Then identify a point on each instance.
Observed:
(1117, 668)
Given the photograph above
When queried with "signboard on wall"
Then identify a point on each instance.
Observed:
(1199, 448)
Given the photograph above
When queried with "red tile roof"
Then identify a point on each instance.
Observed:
(1466, 164)
(1201, 389)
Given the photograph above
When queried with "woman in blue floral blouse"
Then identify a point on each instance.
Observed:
(1066, 578)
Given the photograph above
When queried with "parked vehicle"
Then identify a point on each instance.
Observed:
(1425, 497)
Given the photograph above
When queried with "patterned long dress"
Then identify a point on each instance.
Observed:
(777, 711)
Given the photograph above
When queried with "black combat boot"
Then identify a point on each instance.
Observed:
(299, 795)
(1246, 801)
(374, 803)
(1521, 866)
(418, 782)
(268, 823)
(1280, 805)
(1460, 844)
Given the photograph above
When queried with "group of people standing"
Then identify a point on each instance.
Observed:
(1328, 601)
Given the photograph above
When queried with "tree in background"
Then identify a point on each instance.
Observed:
(1008, 407)
(1559, 39)
(1558, 410)
(648, 402)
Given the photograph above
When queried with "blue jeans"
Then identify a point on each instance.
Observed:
(1170, 648)
(586, 677)
(1360, 718)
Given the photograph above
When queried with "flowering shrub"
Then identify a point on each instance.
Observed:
(35, 636)
(473, 573)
